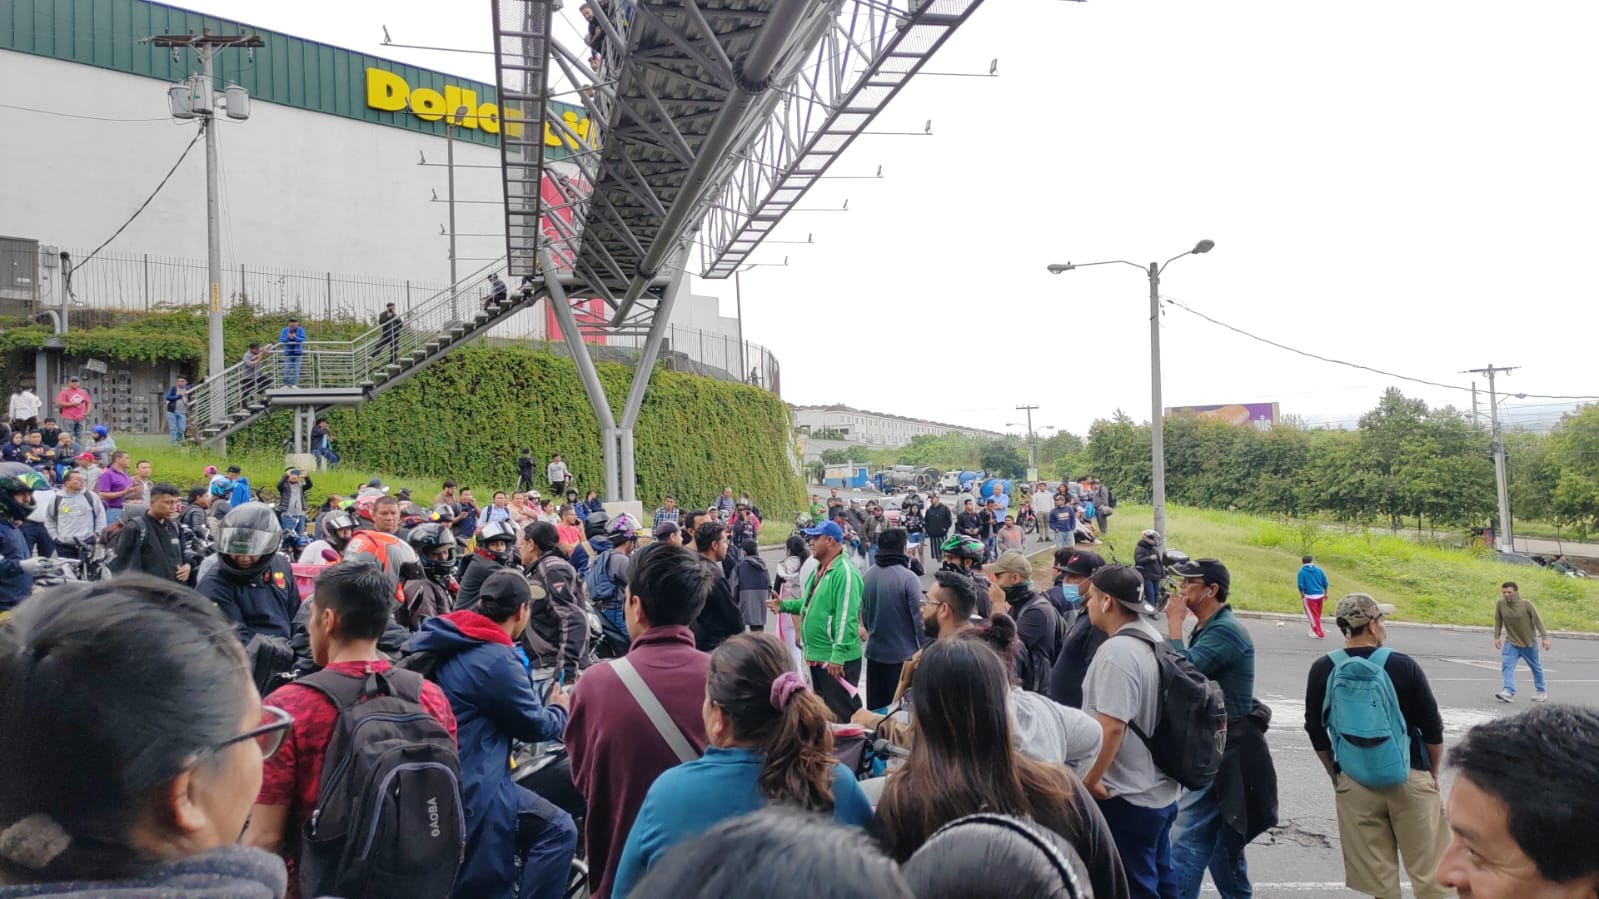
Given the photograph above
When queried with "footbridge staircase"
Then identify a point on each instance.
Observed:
(704, 117)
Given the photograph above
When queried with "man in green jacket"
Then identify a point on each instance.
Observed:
(829, 607)
(1517, 630)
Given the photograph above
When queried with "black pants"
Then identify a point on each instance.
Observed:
(882, 680)
(838, 700)
(38, 539)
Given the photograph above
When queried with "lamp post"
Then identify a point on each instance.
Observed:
(449, 163)
(1156, 437)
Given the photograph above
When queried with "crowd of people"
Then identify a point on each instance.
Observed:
(713, 721)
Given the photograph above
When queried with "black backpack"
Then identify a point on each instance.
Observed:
(1034, 667)
(389, 818)
(1191, 731)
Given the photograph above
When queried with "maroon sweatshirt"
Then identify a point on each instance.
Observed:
(616, 753)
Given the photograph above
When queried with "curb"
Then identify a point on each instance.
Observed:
(1459, 628)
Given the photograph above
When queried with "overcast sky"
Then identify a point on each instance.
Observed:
(1409, 186)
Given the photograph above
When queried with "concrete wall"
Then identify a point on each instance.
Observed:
(299, 188)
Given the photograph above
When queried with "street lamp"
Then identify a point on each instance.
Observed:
(449, 162)
(1157, 438)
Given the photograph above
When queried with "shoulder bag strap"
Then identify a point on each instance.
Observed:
(664, 725)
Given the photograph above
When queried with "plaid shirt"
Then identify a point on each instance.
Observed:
(662, 516)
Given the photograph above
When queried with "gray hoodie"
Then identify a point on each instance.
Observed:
(227, 872)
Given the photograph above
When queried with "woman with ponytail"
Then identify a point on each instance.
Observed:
(769, 745)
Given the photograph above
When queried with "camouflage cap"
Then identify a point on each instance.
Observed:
(1359, 608)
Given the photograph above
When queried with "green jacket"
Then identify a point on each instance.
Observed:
(830, 623)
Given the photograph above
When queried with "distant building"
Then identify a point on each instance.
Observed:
(875, 430)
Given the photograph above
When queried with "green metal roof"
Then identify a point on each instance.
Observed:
(289, 71)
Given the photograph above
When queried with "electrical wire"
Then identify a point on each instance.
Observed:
(185, 155)
(1306, 353)
(71, 115)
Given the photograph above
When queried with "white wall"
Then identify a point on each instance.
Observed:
(301, 189)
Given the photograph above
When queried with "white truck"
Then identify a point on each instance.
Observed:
(950, 482)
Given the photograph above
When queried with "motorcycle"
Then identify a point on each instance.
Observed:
(1172, 582)
(545, 769)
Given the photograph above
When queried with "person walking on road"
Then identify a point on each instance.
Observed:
(1312, 593)
(1374, 723)
(1517, 632)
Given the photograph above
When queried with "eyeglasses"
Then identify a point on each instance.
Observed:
(275, 724)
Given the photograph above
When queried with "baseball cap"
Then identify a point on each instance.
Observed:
(234, 469)
(86, 457)
(73, 378)
(1083, 564)
(826, 529)
(506, 586)
(1124, 585)
(1212, 570)
(1012, 562)
(1360, 608)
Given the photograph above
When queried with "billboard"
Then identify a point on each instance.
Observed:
(1259, 415)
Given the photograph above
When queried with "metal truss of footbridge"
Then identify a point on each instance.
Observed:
(702, 114)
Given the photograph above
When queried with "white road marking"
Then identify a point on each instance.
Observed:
(1486, 665)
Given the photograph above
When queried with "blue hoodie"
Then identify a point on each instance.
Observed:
(1312, 580)
(580, 556)
(494, 703)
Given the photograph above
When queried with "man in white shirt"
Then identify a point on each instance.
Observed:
(558, 475)
(24, 409)
(1042, 502)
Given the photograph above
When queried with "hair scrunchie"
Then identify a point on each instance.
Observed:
(783, 689)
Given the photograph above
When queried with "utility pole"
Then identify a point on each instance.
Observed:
(205, 44)
(1032, 443)
(1504, 535)
(1474, 413)
(449, 161)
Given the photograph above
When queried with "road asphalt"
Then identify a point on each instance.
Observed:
(1301, 856)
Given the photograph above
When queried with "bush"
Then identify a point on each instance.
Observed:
(471, 413)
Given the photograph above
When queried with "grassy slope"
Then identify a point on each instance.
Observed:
(185, 466)
(1426, 583)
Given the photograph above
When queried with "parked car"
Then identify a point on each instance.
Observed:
(1515, 558)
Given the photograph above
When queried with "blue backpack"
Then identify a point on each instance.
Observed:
(602, 590)
(1370, 740)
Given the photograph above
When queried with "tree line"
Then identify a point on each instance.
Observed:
(1406, 464)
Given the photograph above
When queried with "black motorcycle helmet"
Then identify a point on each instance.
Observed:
(16, 495)
(340, 520)
(429, 538)
(502, 533)
(250, 529)
(594, 525)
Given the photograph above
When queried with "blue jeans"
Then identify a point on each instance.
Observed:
(1143, 836)
(1200, 840)
(177, 423)
(327, 454)
(1507, 665)
(111, 515)
(550, 839)
(291, 369)
(1062, 538)
(616, 616)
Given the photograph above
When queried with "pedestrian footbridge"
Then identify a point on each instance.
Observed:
(705, 117)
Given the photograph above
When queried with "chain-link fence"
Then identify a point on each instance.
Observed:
(145, 282)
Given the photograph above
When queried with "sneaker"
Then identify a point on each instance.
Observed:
(1505, 696)
(1540, 697)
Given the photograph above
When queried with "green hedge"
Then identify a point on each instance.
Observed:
(470, 414)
